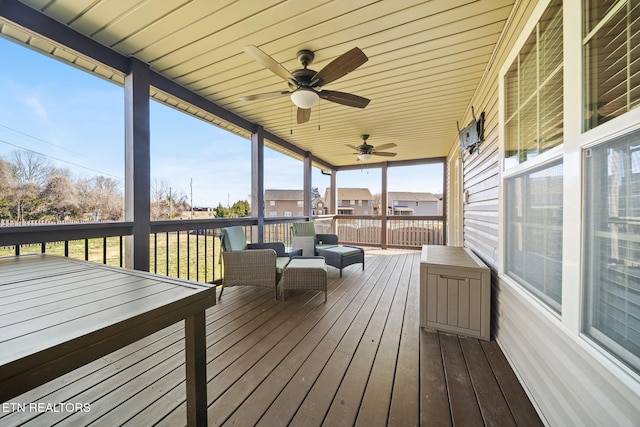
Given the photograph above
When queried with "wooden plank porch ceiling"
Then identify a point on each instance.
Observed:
(359, 359)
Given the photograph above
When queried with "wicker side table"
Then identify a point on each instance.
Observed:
(309, 273)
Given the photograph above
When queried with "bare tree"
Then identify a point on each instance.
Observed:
(377, 204)
(30, 167)
(101, 197)
(62, 196)
(7, 182)
(27, 201)
(160, 195)
(166, 201)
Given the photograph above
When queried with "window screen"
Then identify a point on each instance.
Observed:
(612, 246)
(533, 231)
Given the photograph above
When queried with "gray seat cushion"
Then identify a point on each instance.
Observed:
(344, 250)
(233, 239)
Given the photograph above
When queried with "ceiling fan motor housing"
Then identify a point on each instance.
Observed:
(305, 57)
(303, 77)
(365, 148)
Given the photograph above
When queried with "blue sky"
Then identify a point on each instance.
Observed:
(76, 120)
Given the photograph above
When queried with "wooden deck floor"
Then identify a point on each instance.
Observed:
(359, 359)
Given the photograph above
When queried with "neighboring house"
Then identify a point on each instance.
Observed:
(352, 201)
(318, 206)
(284, 203)
(407, 203)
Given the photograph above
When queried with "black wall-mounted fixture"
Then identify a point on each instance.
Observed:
(473, 134)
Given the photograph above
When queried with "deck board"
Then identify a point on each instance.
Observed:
(493, 406)
(348, 399)
(376, 401)
(358, 359)
(435, 406)
(405, 408)
(519, 404)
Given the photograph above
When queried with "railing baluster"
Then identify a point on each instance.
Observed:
(104, 250)
(178, 254)
(155, 253)
(66, 248)
(167, 253)
(188, 255)
(198, 255)
(86, 249)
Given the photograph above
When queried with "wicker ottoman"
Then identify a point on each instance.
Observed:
(309, 273)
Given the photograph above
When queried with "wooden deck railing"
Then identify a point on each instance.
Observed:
(401, 231)
(190, 249)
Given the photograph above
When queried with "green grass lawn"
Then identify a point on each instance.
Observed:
(191, 257)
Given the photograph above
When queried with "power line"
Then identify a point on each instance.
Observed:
(60, 160)
(46, 142)
(57, 147)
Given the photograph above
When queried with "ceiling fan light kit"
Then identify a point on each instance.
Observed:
(305, 98)
(364, 156)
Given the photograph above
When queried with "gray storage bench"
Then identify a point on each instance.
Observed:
(342, 256)
(309, 273)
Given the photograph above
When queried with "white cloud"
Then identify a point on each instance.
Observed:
(36, 106)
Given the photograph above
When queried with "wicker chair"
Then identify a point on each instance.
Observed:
(325, 245)
(305, 237)
(253, 264)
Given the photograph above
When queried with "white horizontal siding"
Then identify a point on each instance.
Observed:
(566, 379)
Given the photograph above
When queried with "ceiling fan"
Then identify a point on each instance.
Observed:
(365, 151)
(305, 83)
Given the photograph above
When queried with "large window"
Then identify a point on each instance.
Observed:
(611, 42)
(612, 246)
(533, 92)
(533, 244)
(533, 192)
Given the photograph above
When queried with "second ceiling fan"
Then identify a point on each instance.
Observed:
(305, 84)
(365, 151)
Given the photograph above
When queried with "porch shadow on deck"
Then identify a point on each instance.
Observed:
(358, 359)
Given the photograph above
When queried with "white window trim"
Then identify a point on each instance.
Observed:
(543, 158)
